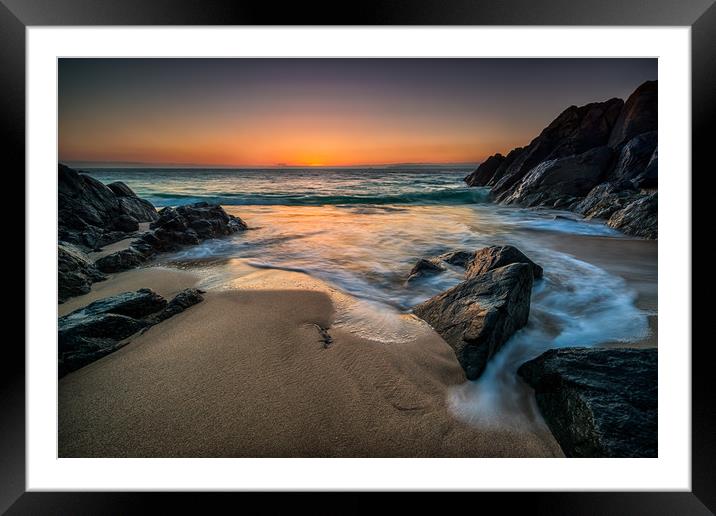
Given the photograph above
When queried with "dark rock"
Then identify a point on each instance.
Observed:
(504, 165)
(180, 302)
(574, 131)
(460, 258)
(604, 199)
(649, 178)
(137, 304)
(485, 172)
(120, 189)
(75, 272)
(126, 223)
(557, 182)
(122, 260)
(477, 316)
(85, 351)
(83, 200)
(436, 264)
(140, 209)
(103, 326)
(634, 157)
(568, 166)
(496, 256)
(639, 218)
(639, 114)
(174, 229)
(598, 402)
(425, 267)
(91, 214)
(85, 339)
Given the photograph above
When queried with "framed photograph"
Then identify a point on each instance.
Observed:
(417, 250)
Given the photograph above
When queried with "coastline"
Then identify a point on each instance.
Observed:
(281, 361)
(232, 376)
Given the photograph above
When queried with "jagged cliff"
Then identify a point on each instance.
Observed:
(599, 160)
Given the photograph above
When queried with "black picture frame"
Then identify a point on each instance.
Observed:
(16, 15)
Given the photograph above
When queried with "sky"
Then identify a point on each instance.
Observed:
(320, 112)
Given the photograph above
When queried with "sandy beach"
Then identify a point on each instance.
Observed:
(311, 267)
(245, 374)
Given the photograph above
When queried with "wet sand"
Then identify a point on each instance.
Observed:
(245, 373)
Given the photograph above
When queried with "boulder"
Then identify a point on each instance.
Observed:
(598, 402)
(639, 115)
(552, 181)
(496, 256)
(485, 172)
(92, 214)
(140, 209)
(122, 260)
(137, 304)
(638, 218)
(126, 223)
(82, 200)
(604, 199)
(479, 315)
(75, 272)
(120, 189)
(574, 131)
(104, 326)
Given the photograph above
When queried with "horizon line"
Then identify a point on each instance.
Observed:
(139, 164)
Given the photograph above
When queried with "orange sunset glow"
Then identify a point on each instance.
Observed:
(317, 112)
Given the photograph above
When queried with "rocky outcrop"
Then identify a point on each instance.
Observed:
(102, 327)
(574, 131)
(598, 402)
(634, 157)
(638, 116)
(486, 171)
(638, 218)
(496, 256)
(175, 228)
(559, 182)
(586, 159)
(75, 272)
(479, 315)
(91, 214)
(603, 200)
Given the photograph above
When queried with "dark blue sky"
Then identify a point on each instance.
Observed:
(322, 111)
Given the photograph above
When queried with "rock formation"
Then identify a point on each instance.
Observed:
(479, 315)
(496, 256)
(92, 215)
(102, 327)
(598, 402)
(175, 228)
(586, 159)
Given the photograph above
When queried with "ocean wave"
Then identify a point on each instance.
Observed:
(443, 196)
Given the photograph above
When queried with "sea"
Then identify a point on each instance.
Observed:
(360, 230)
